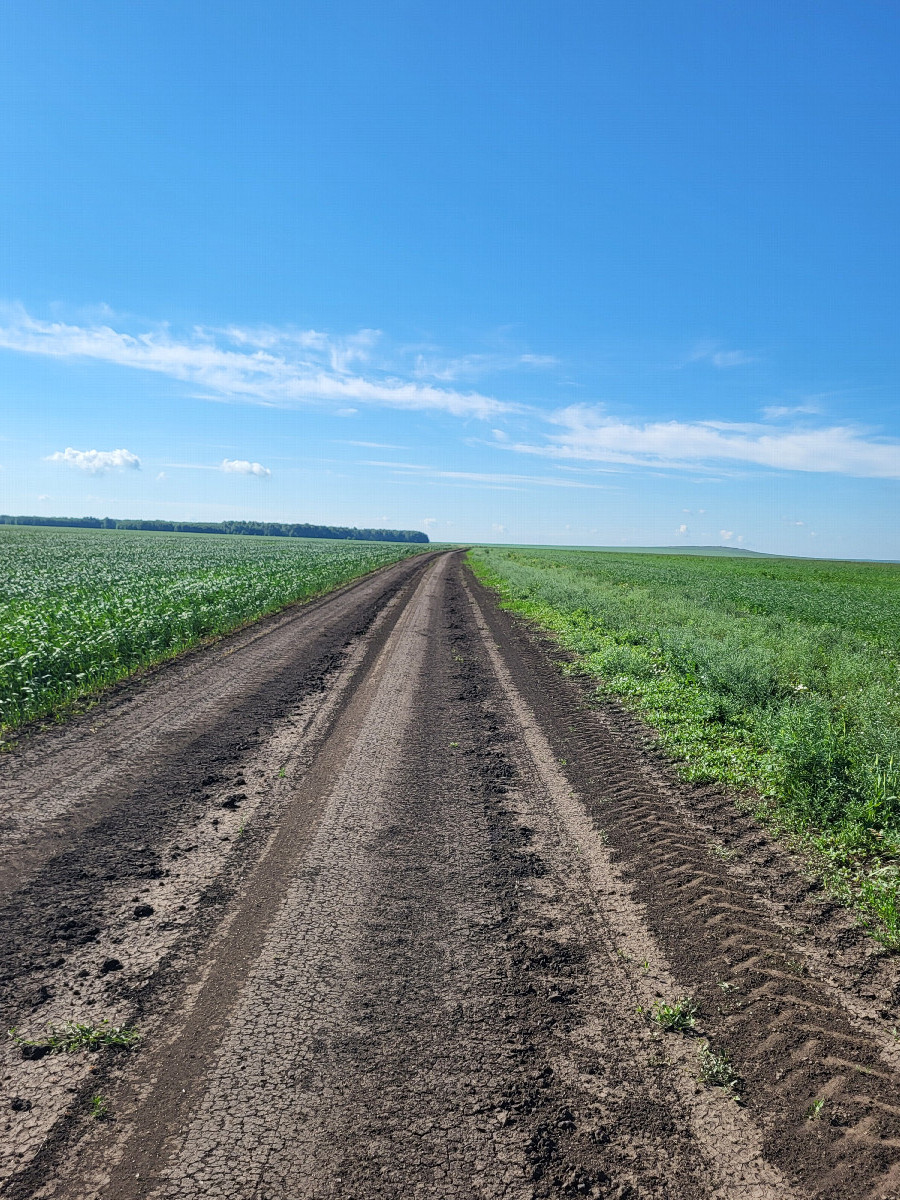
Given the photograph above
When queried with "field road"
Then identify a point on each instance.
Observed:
(390, 899)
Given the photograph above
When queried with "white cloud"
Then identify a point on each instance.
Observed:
(282, 368)
(43, 497)
(161, 476)
(372, 445)
(429, 521)
(682, 529)
(538, 360)
(240, 466)
(96, 461)
(436, 366)
(498, 529)
(726, 534)
(419, 471)
(776, 412)
(588, 433)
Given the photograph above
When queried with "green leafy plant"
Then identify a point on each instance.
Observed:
(82, 608)
(75, 1036)
(99, 1108)
(680, 1017)
(717, 1070)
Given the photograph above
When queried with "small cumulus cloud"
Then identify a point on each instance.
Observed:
(500, 435)
(161, 476)
(726, 534)
(682, 529)
(240, 466)
(498, 529)
(96, 462)
(43, 497)
(428, 522)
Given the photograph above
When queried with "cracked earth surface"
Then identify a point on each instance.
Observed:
(413, 897)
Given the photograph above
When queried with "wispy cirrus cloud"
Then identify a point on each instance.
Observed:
(718, 356)
(474, 366)
(778, 412)
(589, 433)
(489, 478)
(96, 462)
(282, 368)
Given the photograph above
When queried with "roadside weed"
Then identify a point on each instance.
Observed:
(815, 1110)
(717, 1070)
(680, 1017)
(75, 1036)
(99, 1108)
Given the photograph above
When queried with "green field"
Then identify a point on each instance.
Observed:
(780, 677)
(81, 608)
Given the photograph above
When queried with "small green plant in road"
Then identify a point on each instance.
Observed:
(282, 773)
(717, 1070)
(680, 1017)
(721, 851)
(76, 1035)
(99, 1108)
(815, 1110)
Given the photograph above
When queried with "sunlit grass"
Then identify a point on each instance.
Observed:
(779, 677)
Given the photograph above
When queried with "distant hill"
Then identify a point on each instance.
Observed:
(718, 551)
(252, 528)
(714, 551)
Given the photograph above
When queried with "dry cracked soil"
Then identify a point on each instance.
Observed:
(395, 905)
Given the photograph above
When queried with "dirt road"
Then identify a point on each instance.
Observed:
(391, 901)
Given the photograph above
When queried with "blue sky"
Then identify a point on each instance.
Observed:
(584, 273)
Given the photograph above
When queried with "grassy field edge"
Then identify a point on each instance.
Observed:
(856, 861)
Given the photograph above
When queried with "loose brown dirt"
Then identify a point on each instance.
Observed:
(413, 897)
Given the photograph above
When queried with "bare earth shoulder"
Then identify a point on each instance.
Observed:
(397, 912)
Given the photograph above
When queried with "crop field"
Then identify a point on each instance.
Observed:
(779, 677)
(81, 608)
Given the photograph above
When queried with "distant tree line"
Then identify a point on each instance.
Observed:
(258, 528)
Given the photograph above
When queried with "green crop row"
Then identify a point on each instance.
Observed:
(778, 677)
(81, 608)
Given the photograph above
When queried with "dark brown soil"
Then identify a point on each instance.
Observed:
(389, 899)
